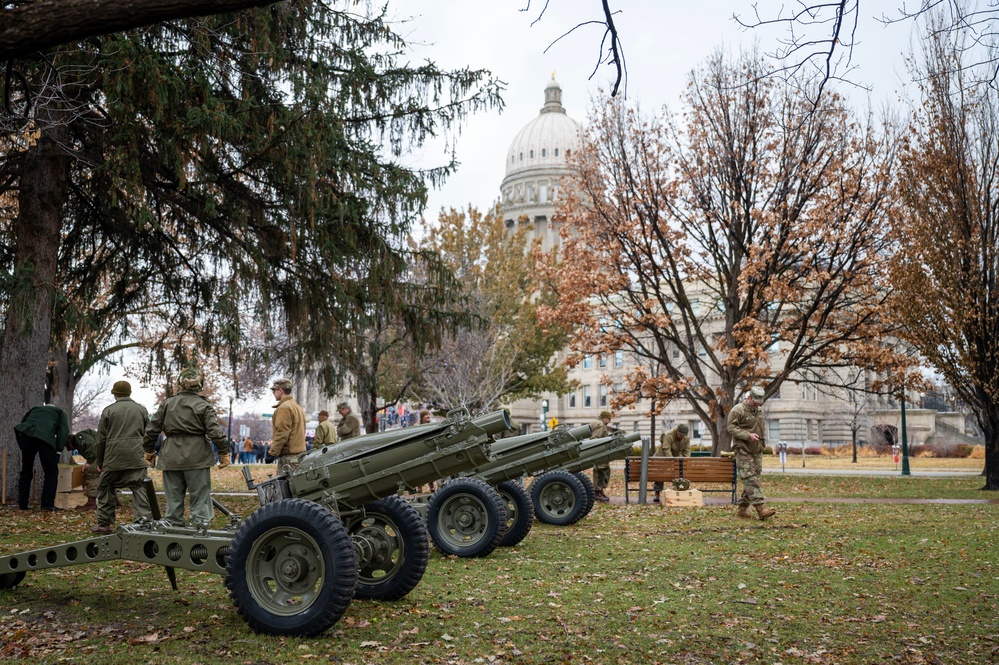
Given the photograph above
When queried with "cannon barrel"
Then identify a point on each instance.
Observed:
(601, 451)
(526, 455)
(371, 467)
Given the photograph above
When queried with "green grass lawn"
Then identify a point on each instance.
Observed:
(820, 583)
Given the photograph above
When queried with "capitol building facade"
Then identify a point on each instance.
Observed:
(801, 414)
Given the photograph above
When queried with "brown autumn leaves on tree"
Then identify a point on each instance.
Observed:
(946, 273)
(739, 243)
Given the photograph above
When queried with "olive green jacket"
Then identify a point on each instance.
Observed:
(325, 434)
(46, 423)
(119, 436)
(673, 444)
(287, 428)
(744, 420)
(349, 427)
(599, 429)
(189, 422)
(86, 444)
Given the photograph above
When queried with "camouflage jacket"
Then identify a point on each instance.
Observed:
(188, 420)
(744, 420)
(119, 435)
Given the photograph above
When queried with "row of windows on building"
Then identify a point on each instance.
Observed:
(531, 192)
(544, 153)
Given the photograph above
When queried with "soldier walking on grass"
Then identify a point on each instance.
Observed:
(119, 456)
(745, 425)
(189, 422)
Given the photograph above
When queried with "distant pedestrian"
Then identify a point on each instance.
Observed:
(745, 425)
(41, 433)
(120, 457)
(247, 456)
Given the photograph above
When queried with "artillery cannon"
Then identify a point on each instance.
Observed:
(564, 495)
(327, 531)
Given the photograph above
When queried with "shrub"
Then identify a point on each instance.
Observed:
(963, 450)
(813, 450)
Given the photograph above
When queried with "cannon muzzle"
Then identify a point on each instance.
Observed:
(602, 451)
(526, 455)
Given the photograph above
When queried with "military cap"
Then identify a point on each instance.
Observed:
(282, 384)
(341, 406)
(121, 389)
(606, 414)
(682, 429)
(757, 394)
(324, 412)
(191, 379)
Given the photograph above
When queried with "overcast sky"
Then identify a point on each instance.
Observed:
(662, 41)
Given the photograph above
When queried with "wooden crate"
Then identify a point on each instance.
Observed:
(684, 498)
(70, 477)
(70, 500)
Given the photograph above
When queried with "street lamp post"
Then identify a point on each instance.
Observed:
(905, 441)
(544, 415)
(228, 434)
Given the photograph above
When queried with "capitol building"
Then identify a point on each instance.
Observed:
(800, 414)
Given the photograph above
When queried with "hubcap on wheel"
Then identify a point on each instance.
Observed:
(462, 519)
(379, 547)
(285, 571)
(557, 499)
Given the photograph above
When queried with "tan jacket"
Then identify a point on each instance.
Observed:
(599, 429)
(325, 434)
(288, 427)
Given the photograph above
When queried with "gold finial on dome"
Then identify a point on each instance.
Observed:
(553, 74)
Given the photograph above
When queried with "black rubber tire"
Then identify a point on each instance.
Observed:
(591, 492)
(519, 512)
(11, 580)
(282, 539)
(466, 518)
(559, 498)
(395, 550)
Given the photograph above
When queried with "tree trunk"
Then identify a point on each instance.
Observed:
(42, 189)
(366, 403)
(60, 384)
(991, 432)
(854, 433)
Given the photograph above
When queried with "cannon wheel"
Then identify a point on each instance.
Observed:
(519, 512)
(390, 542)
(466, 518)
(11, 580)
(559, 498)
(291, 569)
(591, 492)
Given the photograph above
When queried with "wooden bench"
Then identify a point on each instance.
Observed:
(698, 470)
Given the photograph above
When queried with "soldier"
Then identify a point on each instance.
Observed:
(745, 425)
(601, 472)
(185, 456)
(325, 434)
(85, 442)
(674, 443)
(43, 432)
(119, 456)
(424, 417)
(287, 426)
(349, 425)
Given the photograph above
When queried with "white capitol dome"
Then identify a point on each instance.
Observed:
(544, 141)
(536, 166)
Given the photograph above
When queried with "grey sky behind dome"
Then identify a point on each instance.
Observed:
(663, 42)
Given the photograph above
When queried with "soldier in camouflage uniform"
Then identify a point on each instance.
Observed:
(674, 443)
(185, 456)
(119, 456)
(601, 472)
(85, 442)
(745, 425)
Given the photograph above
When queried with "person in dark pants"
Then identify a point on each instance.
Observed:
(42, 432)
